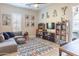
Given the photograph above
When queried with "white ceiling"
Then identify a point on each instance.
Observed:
(28, 5)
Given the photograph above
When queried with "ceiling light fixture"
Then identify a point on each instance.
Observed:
(36, 5)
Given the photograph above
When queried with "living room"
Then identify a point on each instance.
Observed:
(49, 27)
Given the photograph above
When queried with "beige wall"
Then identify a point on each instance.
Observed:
(51, 19)
(50, 9)
(7, 9)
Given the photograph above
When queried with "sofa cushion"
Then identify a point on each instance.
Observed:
(1, 37)
(18, 33)
(8, 42)
(6, 36)
(8, 46)
(11, 34)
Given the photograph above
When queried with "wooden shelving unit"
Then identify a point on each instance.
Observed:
(60, 36)
(61, 32)
(58, 32)
(39, 31)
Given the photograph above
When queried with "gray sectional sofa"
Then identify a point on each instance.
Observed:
(8, 46)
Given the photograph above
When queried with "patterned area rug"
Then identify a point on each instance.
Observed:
(36, 47)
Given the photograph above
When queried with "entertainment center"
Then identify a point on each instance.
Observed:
(59, 36)
(43, 33)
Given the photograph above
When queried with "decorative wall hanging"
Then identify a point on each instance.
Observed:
(42, 16)
(76, 10)
(27, 24)
(6, 19)
(62, 18)
(47, 15)
(32, 24)
(33, 17)
(55, 13)
(26, 17)
(64, 9)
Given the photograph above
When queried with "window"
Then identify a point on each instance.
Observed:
(16, 22)
(75, 19)
(75, 22)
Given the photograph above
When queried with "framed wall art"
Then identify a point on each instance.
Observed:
(32, 24)
(42, 16)
(47, 15)
(6, 19)
(33, 17)
(55, 13)
(26, 16)
(27, 24)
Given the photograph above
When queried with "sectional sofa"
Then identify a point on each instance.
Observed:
(8, 46)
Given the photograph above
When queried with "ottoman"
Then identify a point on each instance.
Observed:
(20, 40)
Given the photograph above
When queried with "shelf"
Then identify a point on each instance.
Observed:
(61, 31)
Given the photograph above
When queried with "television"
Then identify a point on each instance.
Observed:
(50, 25)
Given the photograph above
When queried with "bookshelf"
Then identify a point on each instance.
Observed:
(62, 32)
(39, 31)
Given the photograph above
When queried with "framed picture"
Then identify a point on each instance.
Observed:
(6, 19)
(26, 16)
(54, 13)
(33, 17)
(32, 24)
(27, 24)
(47, 15)
(42, 16)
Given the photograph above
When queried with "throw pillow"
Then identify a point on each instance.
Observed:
(6, 36)
(1, 37)
(11, 34)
